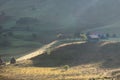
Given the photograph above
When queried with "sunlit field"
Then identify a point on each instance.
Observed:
(65, 63)
(83, 72)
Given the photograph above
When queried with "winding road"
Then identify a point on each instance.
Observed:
(54, 44)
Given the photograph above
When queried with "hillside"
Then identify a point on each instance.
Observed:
(39, 21)
(64, 16)
(27, 25)
(83, 61)
(83, 53)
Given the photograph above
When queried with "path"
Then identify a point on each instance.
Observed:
(54, 44)
(37, 52)
(44, 49)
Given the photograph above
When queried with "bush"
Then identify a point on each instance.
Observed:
(49, 51)
(66, 67)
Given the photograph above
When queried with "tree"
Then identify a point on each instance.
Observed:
(3, 13)
(5, 42)
(83, 37)
(10, 33)
(34, 35)
(77, 34)
(107, 35)
(114, 35)
(4, 37)
(1, 29)
(60, 36)
(28, 28)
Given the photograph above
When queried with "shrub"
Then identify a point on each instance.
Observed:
(66, 67)
(49, 51)
(34, 36)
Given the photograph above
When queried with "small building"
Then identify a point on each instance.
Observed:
(93, 38)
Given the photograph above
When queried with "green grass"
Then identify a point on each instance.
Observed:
(22, 43)
(19, 48)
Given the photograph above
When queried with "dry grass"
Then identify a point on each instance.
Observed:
(26, 70)
(83, 72)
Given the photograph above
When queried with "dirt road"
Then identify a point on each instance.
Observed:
(37, 52)
(44, 49)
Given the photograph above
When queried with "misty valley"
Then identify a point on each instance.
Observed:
(59, 40)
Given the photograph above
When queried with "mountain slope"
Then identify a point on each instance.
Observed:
(82, 14)
(106, 53)
(59, 16)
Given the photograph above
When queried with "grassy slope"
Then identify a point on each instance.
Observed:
(46, 12)
(89, 64)
(80, 54)
(83, 72)
(19, 48)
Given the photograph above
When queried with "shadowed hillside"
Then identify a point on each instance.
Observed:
(40, 21)
(83, 61)
(80, 54)
(65, 15)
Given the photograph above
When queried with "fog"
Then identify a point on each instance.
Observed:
(63, 16)
(67, 13)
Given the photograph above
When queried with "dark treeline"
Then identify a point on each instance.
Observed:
(5, 35)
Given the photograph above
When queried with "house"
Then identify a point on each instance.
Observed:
(93, 38)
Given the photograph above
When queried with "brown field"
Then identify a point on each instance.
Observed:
(84, 61)
(83, 72)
